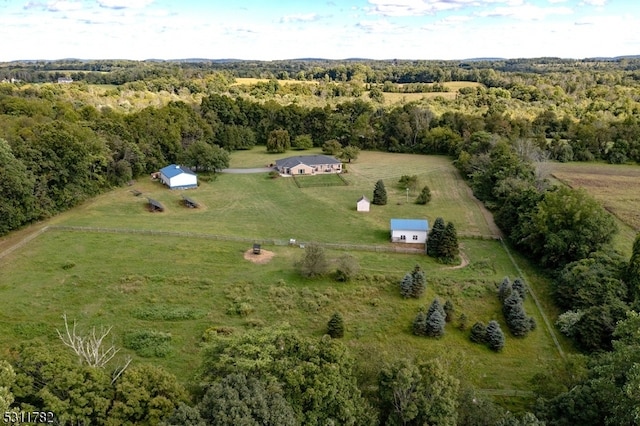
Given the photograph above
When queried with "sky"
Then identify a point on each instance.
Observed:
(336, 29)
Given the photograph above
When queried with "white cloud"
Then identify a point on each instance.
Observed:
(449, 21)
(416, 7)
(375, 26)
(309, 17)
(525, 12)
(124, 4)
(63, 6)
(594, 2)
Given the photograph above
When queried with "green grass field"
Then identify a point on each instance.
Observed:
(185, 285)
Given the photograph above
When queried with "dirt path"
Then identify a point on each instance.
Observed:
(464, 258)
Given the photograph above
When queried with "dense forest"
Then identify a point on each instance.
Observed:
(61, 144)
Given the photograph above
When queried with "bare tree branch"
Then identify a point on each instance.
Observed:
(90, 348)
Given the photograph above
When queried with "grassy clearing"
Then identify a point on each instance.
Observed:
(255, 206)
(617, 187)
(163, 293)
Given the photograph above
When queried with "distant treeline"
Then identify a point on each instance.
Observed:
(59, 152)
(118, 72)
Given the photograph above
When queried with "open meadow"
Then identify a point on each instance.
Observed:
(177, 275)
(615, 186)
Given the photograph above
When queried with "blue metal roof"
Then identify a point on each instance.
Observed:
(409, 224)
(174, 170)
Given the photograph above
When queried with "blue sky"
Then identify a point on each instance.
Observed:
(286, 29)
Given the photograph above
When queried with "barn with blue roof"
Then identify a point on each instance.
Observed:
(411, 231)
(178, 177)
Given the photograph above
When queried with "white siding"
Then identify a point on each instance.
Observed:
(420, 236)
(363, 206)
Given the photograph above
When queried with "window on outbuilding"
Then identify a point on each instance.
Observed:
(403, 237)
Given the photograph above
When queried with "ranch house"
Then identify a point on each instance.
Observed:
(178, 177)
(410, 231)
(308, 165)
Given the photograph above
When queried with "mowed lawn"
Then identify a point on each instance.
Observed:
(616, 187)
(185, 286)
(256, 206)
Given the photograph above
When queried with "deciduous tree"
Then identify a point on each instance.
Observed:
(241, 400)
(314, 261)
(418, 394)
(278, 141)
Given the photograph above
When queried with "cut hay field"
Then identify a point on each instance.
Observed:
(617, 187)
(184, 285)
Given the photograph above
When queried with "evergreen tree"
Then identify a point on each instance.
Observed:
(462, 322)
(434, 326)
(519, 287)
(495, 336)
(435, 237)
(436, 306)
(419, 324)
(406, 285)
(335, 326)
(478, 333)
(379, 194)
(425, 196)
(418, 282)
(505, 289)
(517, 321)
(448, 310)
(449, 249)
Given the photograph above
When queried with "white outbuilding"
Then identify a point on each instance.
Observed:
(412, 231)
(178, 177)
(363, 204)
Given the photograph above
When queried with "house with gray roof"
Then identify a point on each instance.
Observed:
(308, 165)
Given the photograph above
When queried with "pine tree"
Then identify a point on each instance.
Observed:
(379, 194)
(519, 287)
(515, 316)
(419, 284)
(406, 285)
(495, 336)
(448, 310)
(435, 236)
(425, 196)
(462, 322)
(505, 289)
(335, 326)
(436, 306)
(449, 248)
(478, 333)
(419, 324)
(434, 326)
